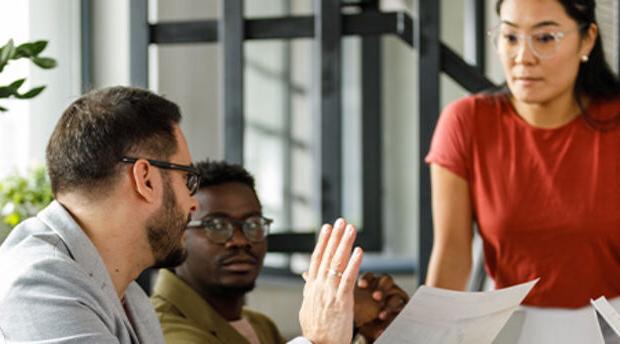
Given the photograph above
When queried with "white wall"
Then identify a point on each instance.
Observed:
(188, 74)
(110, 43)
(25, 128)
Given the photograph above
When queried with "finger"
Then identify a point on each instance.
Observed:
(332, 245)
(377, 295)
(319, 249)
(385, 283)
(304, 275)
(366, 280)
(395, 303)
(383, 315)
(343, 252)
(397, 294)
(347, 284)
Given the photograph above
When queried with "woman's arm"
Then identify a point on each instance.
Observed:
(451, 260)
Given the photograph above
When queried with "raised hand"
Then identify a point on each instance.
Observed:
(326, 314)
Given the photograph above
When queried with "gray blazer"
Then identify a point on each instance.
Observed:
(54, 288)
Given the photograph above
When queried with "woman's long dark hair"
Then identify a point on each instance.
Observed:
(595, 78)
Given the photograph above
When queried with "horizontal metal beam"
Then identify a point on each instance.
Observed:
(293, 242)
(289, 242)
(463, 73)
(184, 32)
(363, 24)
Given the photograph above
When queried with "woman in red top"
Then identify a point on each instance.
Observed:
(536, 166)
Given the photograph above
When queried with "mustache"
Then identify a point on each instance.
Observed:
(235, 254)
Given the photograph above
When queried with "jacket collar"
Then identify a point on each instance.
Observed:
(84, 252)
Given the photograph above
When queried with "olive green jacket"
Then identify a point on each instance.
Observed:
(186, 317)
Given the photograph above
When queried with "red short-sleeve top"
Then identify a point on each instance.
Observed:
(547, 201)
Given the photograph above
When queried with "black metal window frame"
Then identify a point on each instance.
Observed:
(328, 25)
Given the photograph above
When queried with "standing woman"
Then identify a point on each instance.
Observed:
(536, 166)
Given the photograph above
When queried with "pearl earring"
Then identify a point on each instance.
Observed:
(585, 58)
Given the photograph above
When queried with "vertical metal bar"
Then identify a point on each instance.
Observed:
(617, 22)
(474, 39)
(287, 127)
(230, 35)
(372, 142)
(428, 44)
(86, 34)
(328, 34)
(139, 38)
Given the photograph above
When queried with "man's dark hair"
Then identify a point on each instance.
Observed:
(220, 172)
(101, 127)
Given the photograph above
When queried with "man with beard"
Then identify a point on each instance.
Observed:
(201, 301)
(122, 179)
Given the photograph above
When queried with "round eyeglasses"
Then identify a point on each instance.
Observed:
(220, 229)
(193, 174)
(543, 43)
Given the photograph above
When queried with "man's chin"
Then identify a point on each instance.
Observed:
(230, 289)
(173, 259)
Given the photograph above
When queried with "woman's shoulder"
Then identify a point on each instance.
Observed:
(604, 114)
(606, 107)
(476, 106)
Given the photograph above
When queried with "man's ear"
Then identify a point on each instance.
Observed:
(145, 178)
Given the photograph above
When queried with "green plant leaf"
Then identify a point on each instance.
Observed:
(15, 85)
(5, 91)
(44, 62)
(24, 196)
(11, 90)
(12, 219)
(30, 49)
(32, 93)
(3, 109)
(6, 52)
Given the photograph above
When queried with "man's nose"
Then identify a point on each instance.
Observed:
(238, 238)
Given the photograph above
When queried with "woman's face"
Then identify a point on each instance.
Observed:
(538, 66)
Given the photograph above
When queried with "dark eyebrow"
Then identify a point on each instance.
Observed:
(537, 26)
(223, 214)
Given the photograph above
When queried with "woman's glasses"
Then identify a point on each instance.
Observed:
(544, 43)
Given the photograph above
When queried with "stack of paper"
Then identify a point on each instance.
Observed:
(439, 316)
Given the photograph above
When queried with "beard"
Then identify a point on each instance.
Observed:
(165, 230)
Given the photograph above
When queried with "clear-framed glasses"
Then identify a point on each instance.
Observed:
(220, 229)
(193, 174)
(543, 43)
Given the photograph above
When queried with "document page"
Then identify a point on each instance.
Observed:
(440, 316)
(607, 312)
(532, 325)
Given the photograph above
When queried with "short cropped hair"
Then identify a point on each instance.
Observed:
(101, 127)
(220, 172)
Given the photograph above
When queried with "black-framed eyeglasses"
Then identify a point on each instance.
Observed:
(193, 173)
(220, 229)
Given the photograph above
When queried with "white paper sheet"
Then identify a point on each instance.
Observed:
(607, 311)
(530, 325)
(608, 318)
(439, 316)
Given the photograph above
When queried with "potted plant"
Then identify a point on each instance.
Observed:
(22, 196)
(30, 51)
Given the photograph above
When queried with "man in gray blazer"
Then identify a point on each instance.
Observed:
(123, 182)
